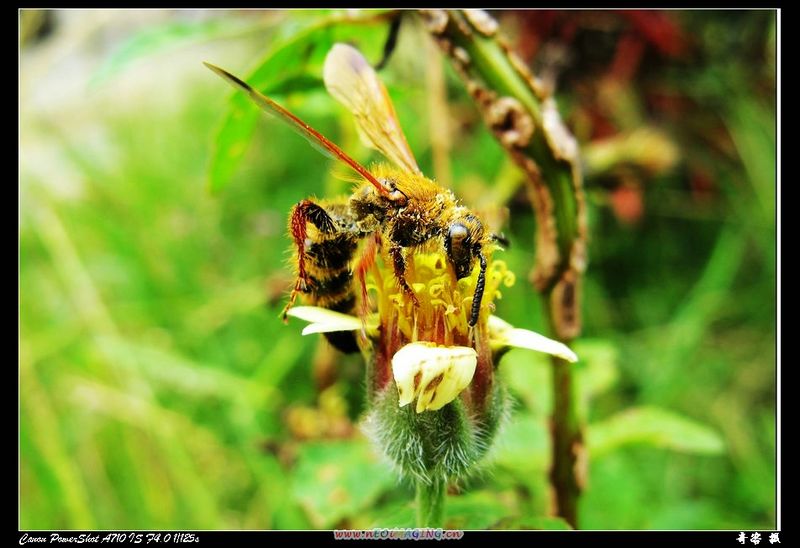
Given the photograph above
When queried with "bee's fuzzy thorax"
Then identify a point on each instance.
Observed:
(416, 186)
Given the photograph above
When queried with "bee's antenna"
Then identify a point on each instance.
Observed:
(501, 239)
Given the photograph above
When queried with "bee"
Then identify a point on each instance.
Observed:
(396, 209)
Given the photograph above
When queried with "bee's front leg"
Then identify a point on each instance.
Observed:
(399, 263)
(302, 213)
(480, 287)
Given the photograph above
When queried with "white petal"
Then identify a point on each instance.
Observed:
(317, 314)
(442, 373)
(406, 364)
(522, 338)
(498, 325)
(324, 320)
(502, 333)
(330, 327)
(456, 377)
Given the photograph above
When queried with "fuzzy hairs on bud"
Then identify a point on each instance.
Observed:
(441, 445)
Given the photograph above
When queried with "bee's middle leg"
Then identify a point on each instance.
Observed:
(365, 263)
(399, 263)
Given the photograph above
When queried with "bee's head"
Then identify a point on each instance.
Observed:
(368, 201)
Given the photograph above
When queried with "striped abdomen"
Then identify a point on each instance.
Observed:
(327, 253)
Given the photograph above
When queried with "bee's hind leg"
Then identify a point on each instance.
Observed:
(305, 212)
(365, 263)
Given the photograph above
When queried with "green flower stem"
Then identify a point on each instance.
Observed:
(430, 503)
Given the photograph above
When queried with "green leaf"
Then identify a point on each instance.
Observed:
(596, 372)
(231, 143)
(534, 523)
(752, 126)
(292, 65)
(656, 427)
(161, 37)
(397, 515)
(479, 510)
(523, 445)
(597, 369)
(336, 480)
(527, 374)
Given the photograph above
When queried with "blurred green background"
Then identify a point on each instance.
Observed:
(158, 388)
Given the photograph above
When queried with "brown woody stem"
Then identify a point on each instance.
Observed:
(568, 469)
(522, 114)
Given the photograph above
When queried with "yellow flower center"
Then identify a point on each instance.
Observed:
(445, 303)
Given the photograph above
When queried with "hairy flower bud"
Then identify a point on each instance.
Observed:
(426, 353)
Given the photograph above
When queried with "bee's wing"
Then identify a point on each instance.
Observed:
(353, 82)
(319, 141)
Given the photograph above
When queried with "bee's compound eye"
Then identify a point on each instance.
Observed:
(458, 249)
(394, 194)
(457, 233)
(397, 197)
